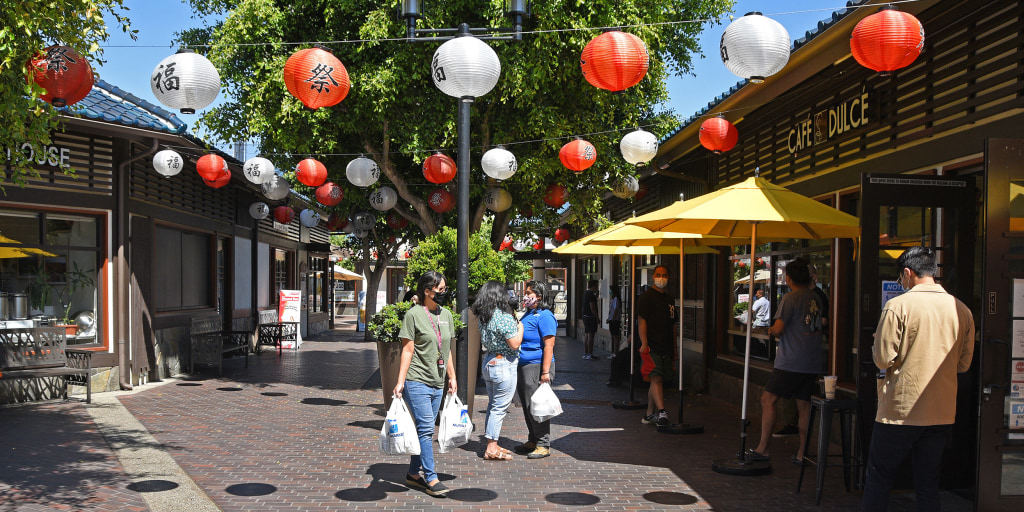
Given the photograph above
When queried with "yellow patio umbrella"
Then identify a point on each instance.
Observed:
(19, 252)
(750, 208)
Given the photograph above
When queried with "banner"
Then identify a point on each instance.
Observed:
(288, 306)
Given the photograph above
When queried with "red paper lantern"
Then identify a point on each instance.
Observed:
(526, 211)
(392, 239)
(561, 235)
(284, 214)
(408, 254)
(316, 77)
(336, 222)
(578, 155)
(66, 75)
(439, 168)
(506, 244)
(887, 40)
(440, 200)
(396, 221)
(221, 180)
(742, 264)
(211, 167)
(614, 61)
(311, 173)
(539, 245)
(640, 192)
(329, 194)
(718, 134)
(555, 196)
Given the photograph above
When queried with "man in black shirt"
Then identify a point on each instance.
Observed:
(591, 318)
(656, 314)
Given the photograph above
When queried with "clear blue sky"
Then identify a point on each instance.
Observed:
(130, 68)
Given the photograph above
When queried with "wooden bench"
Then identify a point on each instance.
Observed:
(273, 333)
(42, 352)
(211, 342)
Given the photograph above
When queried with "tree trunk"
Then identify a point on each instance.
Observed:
(373, 278)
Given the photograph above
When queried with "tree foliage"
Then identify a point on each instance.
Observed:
(394, 114)
(25, 29)
(438, 252)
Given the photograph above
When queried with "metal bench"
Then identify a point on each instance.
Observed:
(273, 333)
(211, 342)
(41, 353)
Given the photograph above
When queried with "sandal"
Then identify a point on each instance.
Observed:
(501, 455)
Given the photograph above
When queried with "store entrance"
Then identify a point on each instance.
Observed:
(897, 212)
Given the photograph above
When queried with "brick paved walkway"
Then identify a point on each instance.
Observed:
(299, 433)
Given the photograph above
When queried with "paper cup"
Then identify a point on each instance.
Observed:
(830, 387)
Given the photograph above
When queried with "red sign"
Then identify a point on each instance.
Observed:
(288, 309)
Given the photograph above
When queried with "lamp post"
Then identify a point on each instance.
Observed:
(466, 68)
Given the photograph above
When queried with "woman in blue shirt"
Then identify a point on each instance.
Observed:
(536, 364)
(500, 336)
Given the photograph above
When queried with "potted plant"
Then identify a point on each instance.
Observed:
(74, 280)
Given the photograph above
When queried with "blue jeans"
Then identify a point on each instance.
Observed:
(890, 444)
(424, 402)
(499, 374)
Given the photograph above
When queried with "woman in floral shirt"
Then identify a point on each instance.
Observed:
(500, 337)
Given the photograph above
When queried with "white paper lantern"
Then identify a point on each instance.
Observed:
(276, 188)
(362, 172)
(185, 81)
(364, 220)
(465, 66)
(754, 47)
(309, 218)
(258, 170)
(498, 199)
(360, 233)
(168, 162)
(639, 147)
(519, 245)
(499, 163)
(259, 210)
(384, 199)
(626, 188)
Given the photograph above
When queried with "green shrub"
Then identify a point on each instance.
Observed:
(385, 325)
(437, 252)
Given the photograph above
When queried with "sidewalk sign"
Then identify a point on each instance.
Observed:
(289, 311)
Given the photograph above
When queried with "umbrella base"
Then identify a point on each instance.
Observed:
(684, 429)
(738, 467)
(629, 405)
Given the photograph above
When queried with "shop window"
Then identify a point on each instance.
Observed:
(281, 269)
(182, 270)
(315, 284)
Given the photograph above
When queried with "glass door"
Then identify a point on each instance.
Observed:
(1001, 346)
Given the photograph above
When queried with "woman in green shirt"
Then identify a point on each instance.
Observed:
(426, 335)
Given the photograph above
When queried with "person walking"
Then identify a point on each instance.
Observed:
(426, 334)
(500, 337)
(656, 314)
(536, 364)
(924, 338)
(614, 320)
(591, 318)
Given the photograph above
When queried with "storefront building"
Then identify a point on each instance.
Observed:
(135, 255)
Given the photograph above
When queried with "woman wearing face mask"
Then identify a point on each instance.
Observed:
(500, 336)
(426, 335)
(536, 364)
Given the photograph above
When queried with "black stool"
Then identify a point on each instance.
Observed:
(848, 420)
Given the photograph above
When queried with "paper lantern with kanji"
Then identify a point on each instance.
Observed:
(439, 168)
(259, 210)
(219, 181)
(497, 199)
(258, 170)
(284, 214)
(168, 162)
(63, 73)
(578, 155)
(336, 222)
(383, 199)
(718, 135)
(309, 218)
(211, 166)
(887, 40)
(538, 245)
(396, 221)
(639, 147)
(755, 47)
(311, 172)
(499, 163)
(555, 196)
(276, 188)
(185, 81)
(329, 194)
(364, 220)
(614, 61)
(440, 200)
(626, 188)
(362, 172)
(316, 77)
(465, 66)
(561, 235)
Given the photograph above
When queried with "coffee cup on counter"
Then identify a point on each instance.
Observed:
(830, 387)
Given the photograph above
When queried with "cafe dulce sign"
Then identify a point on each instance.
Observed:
(826, 124)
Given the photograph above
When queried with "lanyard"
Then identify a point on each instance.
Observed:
(437, 329)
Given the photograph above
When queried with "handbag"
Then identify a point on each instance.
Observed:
(544, 405)
(456, 427)
(398, 436)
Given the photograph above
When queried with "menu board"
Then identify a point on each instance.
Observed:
(289, 305)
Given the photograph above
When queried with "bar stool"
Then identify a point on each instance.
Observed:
(848, 421)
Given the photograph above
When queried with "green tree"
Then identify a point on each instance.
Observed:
(515, 270)
(26, 28)
(437, 252)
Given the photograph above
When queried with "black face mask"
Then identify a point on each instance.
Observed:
(442, 298)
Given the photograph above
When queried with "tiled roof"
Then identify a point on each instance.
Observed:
(823, 25)
(112, 104)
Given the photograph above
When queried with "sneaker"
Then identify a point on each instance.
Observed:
(788, 430)
(525, 448)
(587, 356)
(437, 490)
(650, 418)
(663, 418)
(539, 453)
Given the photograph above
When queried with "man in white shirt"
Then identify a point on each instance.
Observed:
(762, 309)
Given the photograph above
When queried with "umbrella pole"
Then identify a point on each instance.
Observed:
(681, 428)
(740, 465)
(631, 404)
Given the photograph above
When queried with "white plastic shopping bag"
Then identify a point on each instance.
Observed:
(398, 436)
(456, 426)
(544, 405)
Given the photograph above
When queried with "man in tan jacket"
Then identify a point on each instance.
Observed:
(924, 338)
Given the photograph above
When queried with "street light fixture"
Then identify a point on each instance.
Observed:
(466, 68)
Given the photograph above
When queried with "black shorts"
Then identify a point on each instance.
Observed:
(792, 384)
(615, 328)
(590, 324)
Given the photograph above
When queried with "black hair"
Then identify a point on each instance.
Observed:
(540, 288)
(492, 295)
(667, 271)
(613, 291)
(409, 295)
(798, 272)
(428, 280)
(920, 260)
(592, 284)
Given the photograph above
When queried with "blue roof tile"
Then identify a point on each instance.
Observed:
(109, 103)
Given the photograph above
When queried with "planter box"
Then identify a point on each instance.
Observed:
(389, 359)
